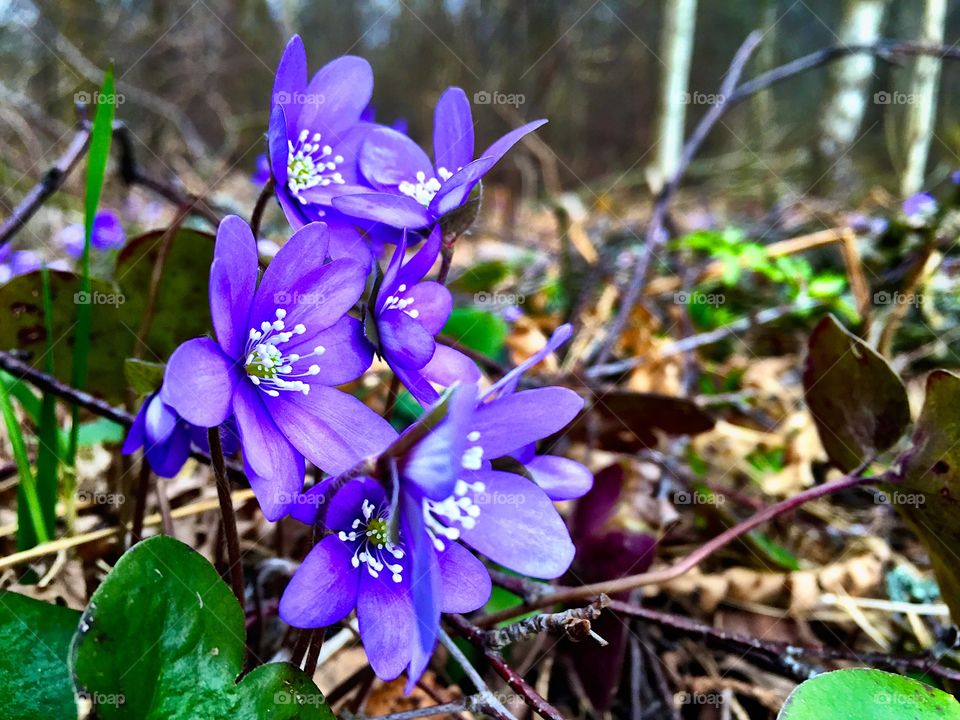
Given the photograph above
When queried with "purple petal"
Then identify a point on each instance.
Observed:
(159, 421)
(347, 353)
(425, 583)
(107, 233)
(233, 280)
(452, 130)
(336, 97)
(403, 340)
(433, 304)
(508, 383)
(499, 148)
(199, 382)
(389, 158)
(387, 623)
(415, 269)
(512, 421)
(323, 590)
(272, 460)
(433, 465)
(291, 79)
(166, 458)
(332, 429)
(455, 191)
(279, 150)
(449, 366)
(518, 526)
(418, 386)
(392, 209)
(346, 242)
(465, 582)
(559, 477)
(136, 435)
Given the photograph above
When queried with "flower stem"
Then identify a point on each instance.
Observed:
(257, 216)
(446, 257)
(227, 514)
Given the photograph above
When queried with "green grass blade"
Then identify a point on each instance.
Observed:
(31, 526)
(48, 432)
(101, 135)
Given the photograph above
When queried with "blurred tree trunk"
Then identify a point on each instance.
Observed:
(848, 89)
(763, 120)
(676, 51)
(921, 100)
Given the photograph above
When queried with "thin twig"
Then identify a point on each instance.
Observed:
(516, 682)
(783, 655)
(574, 624)
(656, 235)
(611, 587)
(470, 703)
(491, 701)
(227, 515)
(313, 651)
(51, 181)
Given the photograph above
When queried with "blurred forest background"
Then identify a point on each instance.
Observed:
(195, 78)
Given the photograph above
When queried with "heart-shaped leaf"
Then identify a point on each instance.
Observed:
(163, 637)
(870, 695)
(926, 482)
(34, 648)
(857, 401)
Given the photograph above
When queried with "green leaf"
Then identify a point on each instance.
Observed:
(926, 484)
(182, 306)
(23, 327)
(34, 649)
(144, 377)
(48, 428)
(478, 330)
(482, 276)
(857, 401)
(163, 637)
(865, 694)
(100, 431)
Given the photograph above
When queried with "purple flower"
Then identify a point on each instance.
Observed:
(449, 496)
(955, 177)
(921, 205)
(406, 315)
(166, 438)
(281, 347)
(17, 262)
(261, 172)
(314, 138)
(414, 192)
(107, 234)
(559, 477)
